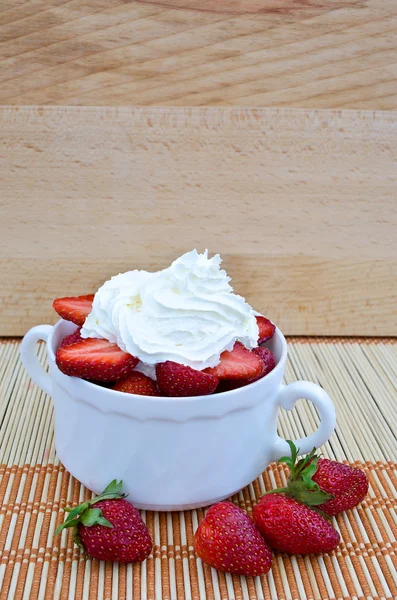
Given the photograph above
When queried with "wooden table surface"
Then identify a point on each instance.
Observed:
(296, 53)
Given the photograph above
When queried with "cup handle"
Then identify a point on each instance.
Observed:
(287, 397)
(29, 356)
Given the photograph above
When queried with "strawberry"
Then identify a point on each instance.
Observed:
(240, 363)
(348, 485)
(227, 540)
(137, 383)
(267, 357)
(175, 379)
(266, 329)
(269, 362)
(95, 359)
(71, 339)
(108, 527)
(74, 309)
(292, 527)
(330, 486)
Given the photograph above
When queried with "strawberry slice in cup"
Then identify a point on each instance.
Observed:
(95, 359)
(75, 309)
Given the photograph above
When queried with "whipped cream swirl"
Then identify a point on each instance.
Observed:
(186, 313)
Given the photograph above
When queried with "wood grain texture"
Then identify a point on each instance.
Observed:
(300, 53)
(301, 204)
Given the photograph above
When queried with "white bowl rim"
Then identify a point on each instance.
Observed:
(87, 386)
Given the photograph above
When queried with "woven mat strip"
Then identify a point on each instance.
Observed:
(342, 340)
(34, 488)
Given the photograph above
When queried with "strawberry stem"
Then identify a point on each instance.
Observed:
(301, 486)
(85, 514)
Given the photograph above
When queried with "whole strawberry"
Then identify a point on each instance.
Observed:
(71, 339)
(137, 383)
(329, 485)
(227, 540)
(175, 379)
(292, 527)
(348, 485)
(109, 528)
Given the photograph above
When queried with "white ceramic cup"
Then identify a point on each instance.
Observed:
(171, 453)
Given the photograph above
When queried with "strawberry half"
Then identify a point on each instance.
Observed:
(95, 359)
(75, 309)
(266, 329)
(71, 339)
(137, 383)
(240, 363)
(227, 540)
(175, 379)
(269, 362)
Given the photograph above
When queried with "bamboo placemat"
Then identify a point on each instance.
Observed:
(360, 375)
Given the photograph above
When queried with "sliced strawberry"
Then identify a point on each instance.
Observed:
(71, 339)
(74, 309)
(137, 383)
(266, 329)
(240, 363)
(95, 359)
(268, 361)
(175, 379)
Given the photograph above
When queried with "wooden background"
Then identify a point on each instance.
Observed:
(307, 53)
(300, 203)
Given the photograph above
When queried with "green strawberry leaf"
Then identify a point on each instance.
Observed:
(299, 466)
(94, 516)
(303, 464)
(77, 539)
(311, 497)
(310, 484)
(90, 517)
(104, 522)
(314, 498)
(313, 452)
(74, 512)
(66, 524)
(111, 492)
(113, 488)
(301, 486)
(85, 515)
(310, 469)
(287, 460)
(294, 450)
(290, 460)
